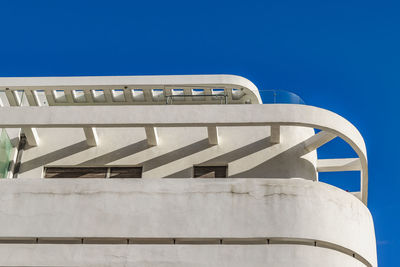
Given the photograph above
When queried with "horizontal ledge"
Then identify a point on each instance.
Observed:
(183, 241)
(338, 165)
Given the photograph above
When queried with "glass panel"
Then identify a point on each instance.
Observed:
(280, 97)
(5, 153)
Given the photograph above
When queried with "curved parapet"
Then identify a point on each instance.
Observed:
(231, 215)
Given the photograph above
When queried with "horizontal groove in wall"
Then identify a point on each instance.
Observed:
(183, 241)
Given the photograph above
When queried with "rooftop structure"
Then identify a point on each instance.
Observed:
(222, 179)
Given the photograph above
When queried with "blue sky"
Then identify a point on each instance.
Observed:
(340, 55)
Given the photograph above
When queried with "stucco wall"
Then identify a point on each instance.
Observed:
(186, 208)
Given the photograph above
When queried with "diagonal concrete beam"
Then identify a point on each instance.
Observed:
(30, 96)
(338, 165)
(318, 140)
(12, 100)
(213, 137)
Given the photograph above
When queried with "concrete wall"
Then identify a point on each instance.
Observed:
(247, 151)
(188, 208)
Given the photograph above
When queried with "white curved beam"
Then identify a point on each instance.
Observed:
(187, 116)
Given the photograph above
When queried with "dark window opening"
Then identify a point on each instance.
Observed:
(126, 172)
(93, 172)
(61, 172)
(210, 171)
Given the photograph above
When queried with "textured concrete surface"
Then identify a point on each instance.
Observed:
(293, 208)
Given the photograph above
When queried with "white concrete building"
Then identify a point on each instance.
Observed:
(189, 171)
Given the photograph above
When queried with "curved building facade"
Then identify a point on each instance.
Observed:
(174, 171)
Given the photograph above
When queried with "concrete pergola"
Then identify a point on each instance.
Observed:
(210, 116)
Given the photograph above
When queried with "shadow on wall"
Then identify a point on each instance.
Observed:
(150, 164)
(177, 154)
(79, 147)
(276, 167)
(53, 156)
(228, 157)
(117, 154)
(286, 164)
